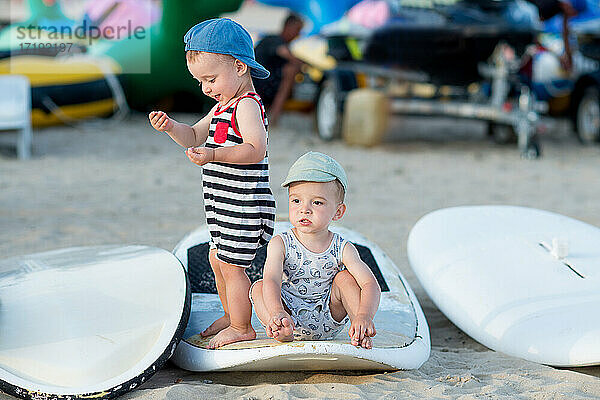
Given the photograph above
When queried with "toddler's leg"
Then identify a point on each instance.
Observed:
(259, 304)
(237, 286)
(282, 332)
(222, 322)
(345, 299)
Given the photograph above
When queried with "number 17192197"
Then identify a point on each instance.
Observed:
(61, 47)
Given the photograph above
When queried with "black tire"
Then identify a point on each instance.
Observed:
(330, 102)
(587, 116)
(328, 111)
(502, 134)
(533, 150)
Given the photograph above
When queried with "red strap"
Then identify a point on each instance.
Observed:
(233, 124)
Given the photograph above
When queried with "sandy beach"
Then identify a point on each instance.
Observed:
(123, 183)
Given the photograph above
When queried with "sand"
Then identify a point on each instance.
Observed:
(124, 183)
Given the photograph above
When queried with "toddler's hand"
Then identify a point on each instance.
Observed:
(200, 155)
(361, 330)
(160, 121)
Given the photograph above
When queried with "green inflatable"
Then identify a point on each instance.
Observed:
(168, 76)
(17, 38)
(151, 59)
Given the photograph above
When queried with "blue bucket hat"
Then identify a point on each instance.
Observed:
(224, 36)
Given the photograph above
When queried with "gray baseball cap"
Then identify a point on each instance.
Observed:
(316, 167)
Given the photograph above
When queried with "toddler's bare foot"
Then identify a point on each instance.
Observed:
(216, 326)
(286, 332)
(367, 342)
(231, 335)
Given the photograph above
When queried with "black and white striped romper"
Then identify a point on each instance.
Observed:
(239, 205)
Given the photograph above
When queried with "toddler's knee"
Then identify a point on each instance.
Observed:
(256, 290)
(344, 278)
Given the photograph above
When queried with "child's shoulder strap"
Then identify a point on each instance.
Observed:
(286, 237)
(339, 245)
(253, 96)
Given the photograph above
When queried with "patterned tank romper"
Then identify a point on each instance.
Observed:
(239, 205)
(306, 287)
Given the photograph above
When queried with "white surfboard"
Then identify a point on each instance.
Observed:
(88, 322)
(521, 281)
(402, 340)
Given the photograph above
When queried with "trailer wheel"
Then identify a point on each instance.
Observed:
(502, 134)
(533, 150)
(329, 110)
(587, 117)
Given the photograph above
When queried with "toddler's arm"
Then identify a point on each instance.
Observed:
(251, 151)
(184, 134)
(370, 292)
(271, 289)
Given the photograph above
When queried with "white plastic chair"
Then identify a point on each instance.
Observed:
(15, 110)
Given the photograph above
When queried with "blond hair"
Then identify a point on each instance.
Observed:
(193, 56)
(340, 190)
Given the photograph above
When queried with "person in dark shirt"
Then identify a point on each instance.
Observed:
(273, 52)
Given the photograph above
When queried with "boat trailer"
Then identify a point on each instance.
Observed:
(353, 91)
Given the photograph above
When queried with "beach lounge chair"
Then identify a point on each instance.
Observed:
(15, 110)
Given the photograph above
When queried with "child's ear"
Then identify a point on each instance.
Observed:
(339, 212)
(240, 67)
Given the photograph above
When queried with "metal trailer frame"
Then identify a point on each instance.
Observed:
(523, 116)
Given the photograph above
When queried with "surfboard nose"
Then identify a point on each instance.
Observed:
(95, 321)
(518, 280)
